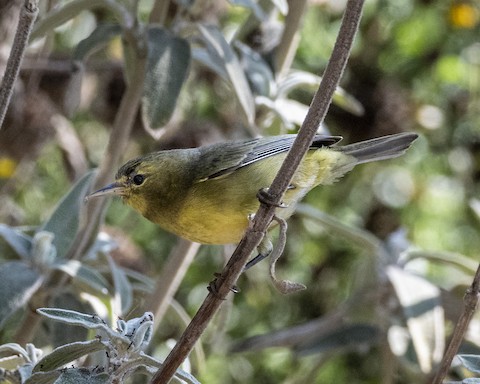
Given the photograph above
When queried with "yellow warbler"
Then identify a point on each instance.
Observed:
(206, 194)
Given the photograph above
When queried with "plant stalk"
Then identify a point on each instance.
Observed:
(470, 302)
(28, 15)
(170, 278)
(287, 48)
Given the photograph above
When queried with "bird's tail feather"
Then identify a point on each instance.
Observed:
(381, 148)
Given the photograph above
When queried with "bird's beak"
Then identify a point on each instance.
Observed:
(111, 189)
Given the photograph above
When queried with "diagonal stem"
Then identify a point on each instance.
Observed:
(28, 14)
(265, 214)
(470, 305)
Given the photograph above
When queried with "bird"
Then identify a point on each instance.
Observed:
(208, 194)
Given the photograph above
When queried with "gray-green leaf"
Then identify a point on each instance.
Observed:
(421, 304)
(222, 55)
(84, 273)
(43, 377)
(82, 376)
(99, 37)
(67, 353)
(64, 221)
(347, 336)
(123, 289)
(18, 282)
(168, 64)
(74, 318)
(19, 242)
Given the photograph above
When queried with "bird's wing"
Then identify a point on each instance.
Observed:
(225, 158)
(220, 159)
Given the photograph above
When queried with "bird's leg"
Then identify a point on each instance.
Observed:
(284, 286)
(264, 250)
(265, 247)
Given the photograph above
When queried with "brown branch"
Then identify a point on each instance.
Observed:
(318, 109)
(27, 17)
(470, 302)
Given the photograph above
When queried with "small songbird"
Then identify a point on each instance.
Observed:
(207, 194)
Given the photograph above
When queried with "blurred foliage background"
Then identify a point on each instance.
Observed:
(370, 248)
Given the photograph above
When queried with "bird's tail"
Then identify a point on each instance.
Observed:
(381, 148)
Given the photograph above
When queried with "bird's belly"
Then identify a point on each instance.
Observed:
(210, 225)
(225, 219)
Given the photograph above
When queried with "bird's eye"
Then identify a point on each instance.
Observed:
(138, 179)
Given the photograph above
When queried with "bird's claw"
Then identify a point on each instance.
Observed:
(264, 196)
(212, 286)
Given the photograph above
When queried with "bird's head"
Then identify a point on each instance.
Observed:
(136, 182)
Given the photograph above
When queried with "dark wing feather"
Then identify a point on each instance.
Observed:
(218, 159)
(255, 150)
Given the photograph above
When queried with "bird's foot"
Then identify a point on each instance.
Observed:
(213, 289)
(264, 250)
(265, 197)
(283, 286)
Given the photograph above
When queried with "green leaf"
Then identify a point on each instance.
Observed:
(98, 38)
(346, 336)
(203, 56)
(61, 333)
(221, 55)
(84, 273)
(471, 362)
(259, 73)
(18, 282)
(64, 221)
(139, 281)
(421, 304)
(19, 242)
(123, 297)
(167, 69)
(68, 353)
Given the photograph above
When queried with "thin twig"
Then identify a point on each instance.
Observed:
(159, 12)
(470, 302)
(27, 17)
(264, 216)
(285, 51)
(170, 278)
